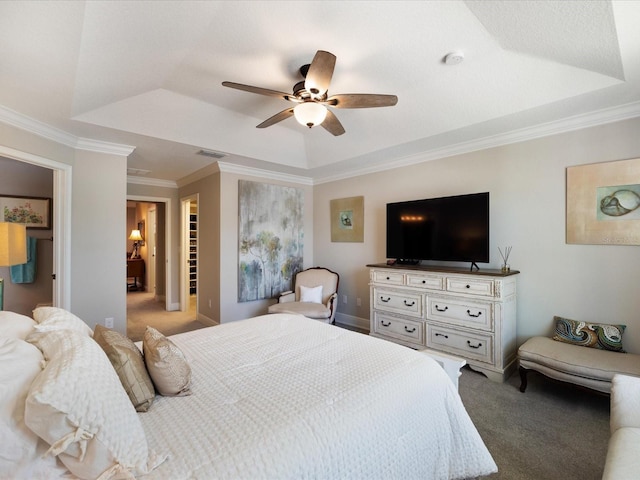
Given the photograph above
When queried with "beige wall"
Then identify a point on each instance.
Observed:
(527, 185)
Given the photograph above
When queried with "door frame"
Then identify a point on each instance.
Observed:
(168, 243)
(185, 211)
(61, 213)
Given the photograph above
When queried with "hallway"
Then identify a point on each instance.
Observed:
(143, 310)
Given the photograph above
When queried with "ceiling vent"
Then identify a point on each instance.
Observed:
(212, 154)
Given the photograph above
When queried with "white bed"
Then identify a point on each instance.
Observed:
(281, 396)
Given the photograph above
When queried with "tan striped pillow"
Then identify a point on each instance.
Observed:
(128, 363)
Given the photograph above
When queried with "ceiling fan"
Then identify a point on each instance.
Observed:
(311, 97)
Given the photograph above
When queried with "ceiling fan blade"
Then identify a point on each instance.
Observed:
(278, 117)
(361, 100)
(258, 90)
(332, 124)
(320, 73)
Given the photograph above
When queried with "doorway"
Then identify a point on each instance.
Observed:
(189, 248)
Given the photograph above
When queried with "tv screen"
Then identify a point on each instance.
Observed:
(452, 229)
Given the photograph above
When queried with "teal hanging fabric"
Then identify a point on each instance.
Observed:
(26, 273)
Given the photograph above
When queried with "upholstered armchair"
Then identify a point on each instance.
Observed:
(314, 295)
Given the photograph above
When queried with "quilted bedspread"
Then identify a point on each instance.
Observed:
(280, 396)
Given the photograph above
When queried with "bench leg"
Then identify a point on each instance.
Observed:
(523, 379)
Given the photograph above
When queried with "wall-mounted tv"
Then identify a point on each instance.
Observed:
(452, 229)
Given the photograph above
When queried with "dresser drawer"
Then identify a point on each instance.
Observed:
(388, 278)
(475, 346)
(399, 328)
(406, 303)
(432, 282)
(460, 312)
(472, 286)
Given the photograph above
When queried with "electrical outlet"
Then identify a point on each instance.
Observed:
(108, 322)
(344, 299)
(358, 302)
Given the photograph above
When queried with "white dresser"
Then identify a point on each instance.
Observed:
(471, 315)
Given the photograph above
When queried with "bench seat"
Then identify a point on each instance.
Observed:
(589, 367)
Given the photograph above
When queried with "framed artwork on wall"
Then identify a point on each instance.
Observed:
(603, 201)
(271, 239)
(35, 212)
(347, 219)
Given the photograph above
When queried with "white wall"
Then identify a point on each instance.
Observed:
(595, 283)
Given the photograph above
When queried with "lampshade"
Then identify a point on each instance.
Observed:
(310, 113)
(135, 235)
(13, 244)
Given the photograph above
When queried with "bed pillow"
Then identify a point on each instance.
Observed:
(14, 325)
(166, 364)
(21, 363)
(54, 318)
(78, 406)
(311, 294)
(128, 363)
(595, 335)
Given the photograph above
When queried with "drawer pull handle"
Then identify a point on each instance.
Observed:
(409, 304)
(442, 335)
(474, 346)
(468, 286)
(409, 331)
(388, 278)
(382, 299)
(442, 309)
(472, 315)
(385, 324)
(424, 281)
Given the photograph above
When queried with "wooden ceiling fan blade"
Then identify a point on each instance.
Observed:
(332, 124)
(320, 72)
(258, 90)
(278, 117)
(361, 100)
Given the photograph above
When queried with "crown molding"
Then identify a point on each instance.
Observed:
(41, 129)
(565, 125)
(152, 182)
(224, 167)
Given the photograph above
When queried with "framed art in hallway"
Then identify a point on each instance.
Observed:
(35, 212)
(603, 203)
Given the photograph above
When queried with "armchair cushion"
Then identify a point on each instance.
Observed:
(311, 294)
(308, 309)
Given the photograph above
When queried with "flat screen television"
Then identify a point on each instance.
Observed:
(452, 229)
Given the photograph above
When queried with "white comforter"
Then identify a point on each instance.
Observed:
(281, 396)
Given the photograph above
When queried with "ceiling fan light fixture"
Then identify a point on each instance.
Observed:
(310, 114)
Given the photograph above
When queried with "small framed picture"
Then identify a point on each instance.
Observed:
(34, 212)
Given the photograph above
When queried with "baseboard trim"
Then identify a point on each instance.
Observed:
(206, 320)
(353, 321)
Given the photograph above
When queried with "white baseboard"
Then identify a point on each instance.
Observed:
(206, 320)
(353, 321)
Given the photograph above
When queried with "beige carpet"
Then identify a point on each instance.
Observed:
(143, 310)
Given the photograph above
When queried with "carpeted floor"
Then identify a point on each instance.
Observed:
(553, 431)
(143, 310)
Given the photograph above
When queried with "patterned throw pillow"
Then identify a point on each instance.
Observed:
(128, 363)
(166, 364)
(595, 335)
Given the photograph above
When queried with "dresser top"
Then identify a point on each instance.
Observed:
(492, 272)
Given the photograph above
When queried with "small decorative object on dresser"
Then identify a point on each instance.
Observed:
(471, 315)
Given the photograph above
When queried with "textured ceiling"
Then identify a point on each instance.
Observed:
(148, 74)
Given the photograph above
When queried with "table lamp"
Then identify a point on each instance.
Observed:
(137, 238)
(13, 249)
